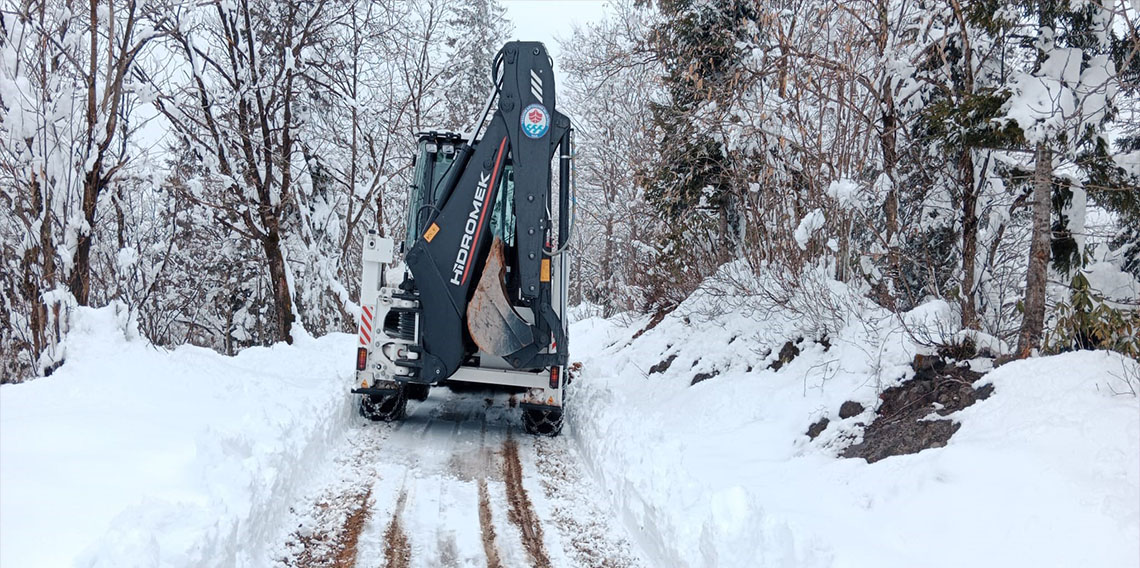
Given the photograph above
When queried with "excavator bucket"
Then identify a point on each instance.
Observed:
(491, 320)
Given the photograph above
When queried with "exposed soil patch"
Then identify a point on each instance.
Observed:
(521, 512)
(653, 321)
(487, 528)
(397, 549)
(962, 350)
(663, 365)
(700, 377)
(336, 546)
(816, 429)
(849, 409)
(788, 352)
(899, 428)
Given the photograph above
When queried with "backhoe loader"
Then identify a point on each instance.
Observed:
(476, 291)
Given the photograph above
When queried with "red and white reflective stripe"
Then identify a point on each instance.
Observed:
(365, 325)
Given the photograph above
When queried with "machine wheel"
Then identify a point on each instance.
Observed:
(542, 421)
(417, 391)
(384, 407)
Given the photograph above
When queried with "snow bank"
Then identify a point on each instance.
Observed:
(1046, 472)
(131, 455)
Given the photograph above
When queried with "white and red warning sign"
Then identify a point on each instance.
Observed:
(535, 121)
(365, 325)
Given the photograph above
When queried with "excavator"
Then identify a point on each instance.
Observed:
(476, 291)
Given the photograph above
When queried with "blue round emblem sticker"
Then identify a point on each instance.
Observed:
(535, 121)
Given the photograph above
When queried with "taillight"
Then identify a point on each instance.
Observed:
(361, 358)
(554, 377)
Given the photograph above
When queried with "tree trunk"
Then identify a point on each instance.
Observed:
(278, 278)
(81, 268)
(842, 263)
(606, 273)
(888, 144)
(1033, 318)
(80, 277)
(969, 240)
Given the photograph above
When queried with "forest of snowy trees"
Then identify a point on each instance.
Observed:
(211, 166)
(985, 153)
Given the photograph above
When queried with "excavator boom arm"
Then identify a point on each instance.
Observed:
(448, 257)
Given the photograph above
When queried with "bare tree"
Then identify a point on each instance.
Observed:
(64, 142)
(110, 64)
(241, 111)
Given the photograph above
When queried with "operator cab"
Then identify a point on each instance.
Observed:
(435, 159)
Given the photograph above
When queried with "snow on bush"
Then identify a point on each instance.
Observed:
(811, 223)
(130, 455)
(720, 473)
(845, 192)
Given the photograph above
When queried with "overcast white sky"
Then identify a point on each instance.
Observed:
(547, 20)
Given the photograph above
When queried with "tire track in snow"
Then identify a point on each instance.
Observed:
(487, 528)
(521, 511)
(448, 487)
(591, 538)
(397, 549)
(336, 546)
(327, 526)
(486, 519)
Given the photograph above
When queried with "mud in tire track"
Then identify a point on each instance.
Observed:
(589, 536)
(397, 548)
(521, 511)
(334, 547)
(487, 528)
(447, 487)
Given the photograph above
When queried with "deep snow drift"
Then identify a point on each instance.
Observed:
(1046, 472)
(135, 456)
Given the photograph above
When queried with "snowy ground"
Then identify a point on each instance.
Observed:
(134, 456)
(1046, 472)
(457, 483)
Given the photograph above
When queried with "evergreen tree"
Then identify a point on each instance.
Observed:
(479, 28)
(1060, 98)
(700, 46)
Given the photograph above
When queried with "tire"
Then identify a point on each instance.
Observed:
(417, 391)
(543, 421)
(388, 408)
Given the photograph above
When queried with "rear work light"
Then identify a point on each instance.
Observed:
(554, 377)
(361, 358)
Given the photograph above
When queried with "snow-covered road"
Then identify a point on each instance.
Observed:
(457, 483)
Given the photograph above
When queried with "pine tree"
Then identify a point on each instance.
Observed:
(699, 46)
(479, 28)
